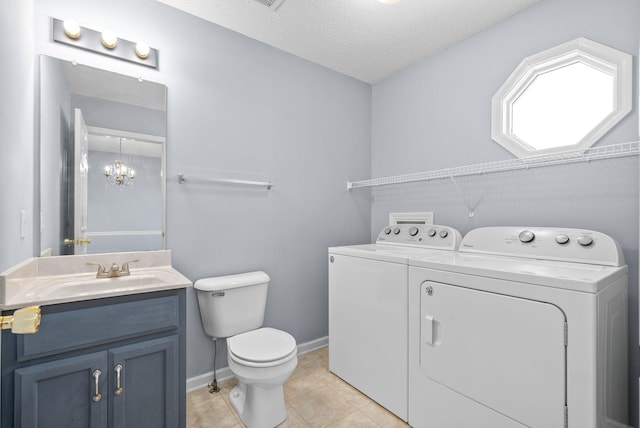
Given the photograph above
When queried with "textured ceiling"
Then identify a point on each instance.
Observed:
(364, 39)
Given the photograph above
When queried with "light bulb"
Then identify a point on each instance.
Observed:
(142, 50)
(109, 39)
(71, 28)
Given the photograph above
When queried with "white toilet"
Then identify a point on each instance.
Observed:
(262, 359)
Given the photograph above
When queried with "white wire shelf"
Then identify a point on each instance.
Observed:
(183, 178)
(572, 156)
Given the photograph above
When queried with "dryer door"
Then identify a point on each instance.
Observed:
(504, 352)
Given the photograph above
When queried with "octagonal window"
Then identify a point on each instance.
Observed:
(562, 99)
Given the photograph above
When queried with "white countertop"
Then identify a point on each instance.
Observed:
(50, 280)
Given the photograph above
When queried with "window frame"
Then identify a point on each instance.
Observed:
(601, 57)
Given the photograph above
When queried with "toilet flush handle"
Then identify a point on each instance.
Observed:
(218, 294)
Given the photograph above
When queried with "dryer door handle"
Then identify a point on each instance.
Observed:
(428, 329)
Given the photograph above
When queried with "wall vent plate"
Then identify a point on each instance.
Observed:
(411, 218)
(271, 4)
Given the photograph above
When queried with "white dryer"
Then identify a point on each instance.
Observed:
(520, 328)
(368, 309)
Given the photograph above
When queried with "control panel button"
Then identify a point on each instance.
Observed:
(585, 240)
(444, 233)
(396, 231)
(413, 231)
(431, 232)
(562, 239)
(526, 236)
(387, 231)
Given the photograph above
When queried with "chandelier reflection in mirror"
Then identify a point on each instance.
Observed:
(119, 173)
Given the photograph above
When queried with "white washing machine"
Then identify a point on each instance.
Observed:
(368, 309)
(520, 328)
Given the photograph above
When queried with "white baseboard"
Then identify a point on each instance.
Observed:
(202, 380)
(313, 345)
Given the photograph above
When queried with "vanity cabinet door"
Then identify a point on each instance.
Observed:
(63, 393)
(146, 395)
(47, 378)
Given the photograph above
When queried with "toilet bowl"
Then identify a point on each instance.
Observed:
(262, 359)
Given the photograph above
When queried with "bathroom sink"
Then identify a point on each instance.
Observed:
(65, 288)
(123, 281)
(51, 280)
(98, 285)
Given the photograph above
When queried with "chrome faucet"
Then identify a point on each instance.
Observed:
(114, 271)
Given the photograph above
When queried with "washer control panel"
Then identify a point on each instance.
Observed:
(572, 245)
(420, 235)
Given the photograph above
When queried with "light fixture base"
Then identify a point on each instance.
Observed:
(91, 40)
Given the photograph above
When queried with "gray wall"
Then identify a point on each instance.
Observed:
(239, 108)
(17, 135)
(437, 114)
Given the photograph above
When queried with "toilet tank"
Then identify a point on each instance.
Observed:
(232, 304)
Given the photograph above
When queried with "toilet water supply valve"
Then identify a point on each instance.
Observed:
(23, 321)
(213, 385)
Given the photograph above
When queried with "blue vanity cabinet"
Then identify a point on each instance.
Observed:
(58, 394)
(116, 362)
(147, 393)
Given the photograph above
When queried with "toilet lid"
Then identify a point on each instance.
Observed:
(262, 345)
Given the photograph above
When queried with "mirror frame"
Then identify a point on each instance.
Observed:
(601, 57)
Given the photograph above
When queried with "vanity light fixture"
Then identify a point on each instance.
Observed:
(119, 173)
(71, 28)
(109, 39)
(142, 50)
(103, 42)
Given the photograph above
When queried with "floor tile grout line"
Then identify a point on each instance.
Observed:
(315, 367)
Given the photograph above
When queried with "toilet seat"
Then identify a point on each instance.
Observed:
(263, 347)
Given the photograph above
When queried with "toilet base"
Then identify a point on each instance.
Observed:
(259, 406)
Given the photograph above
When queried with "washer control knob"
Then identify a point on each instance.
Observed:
(413, 231)
(396, 231)
(431, 232)
(526, 236)
(444, 233)
(562, 239)
(387, 231)
(585, 240)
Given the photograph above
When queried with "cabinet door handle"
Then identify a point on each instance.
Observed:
(96, 376)
(118, 370)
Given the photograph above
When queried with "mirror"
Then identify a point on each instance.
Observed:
(102, 161)
(561, 99)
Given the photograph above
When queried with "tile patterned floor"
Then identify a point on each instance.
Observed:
(314, 397)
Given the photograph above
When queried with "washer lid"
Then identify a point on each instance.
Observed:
(262, 345)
